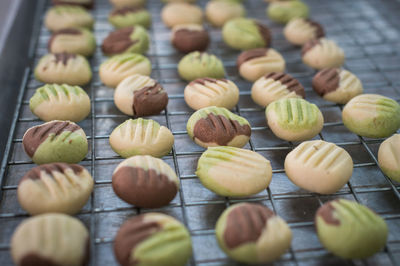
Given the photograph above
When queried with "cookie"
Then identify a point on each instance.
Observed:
(187, 38)
(117, 68)
(233, 172)
(134, 39)
(255, 63)
(337, 85)
(218, 12)
(322, 53)
(176, 13)
(350, 230)
(84, 3)
(275, 86)
(128, 3)
(141, 137)
(372, 116)
(389, 156)
(55, 141)
(299, 31)
(205, 92)
(319, 166)
(73, 40)
(51, 239)
(139, 95)
(200, 65)
(72, 69)
(284, 11)
(294, 119)
(67, 16)
(138, 237)
(217, 126)
(55, 187)
(246, 34)
(65, 102)
(252, 233)
(129, 16)
(145, 182)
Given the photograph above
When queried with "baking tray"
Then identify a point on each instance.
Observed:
(365, 29)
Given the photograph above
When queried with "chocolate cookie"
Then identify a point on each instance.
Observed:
(134, 39)
(187, 38)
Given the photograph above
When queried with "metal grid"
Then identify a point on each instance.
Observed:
(365, 29)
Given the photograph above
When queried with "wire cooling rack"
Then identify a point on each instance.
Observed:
(365, 29)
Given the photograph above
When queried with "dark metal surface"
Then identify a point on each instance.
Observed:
(366, 30)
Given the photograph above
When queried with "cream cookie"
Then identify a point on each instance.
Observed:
(67, 16)
(220, 11)
(322, 53)
(181, 13)
(389, 156)
(300, 30)
(74, 41)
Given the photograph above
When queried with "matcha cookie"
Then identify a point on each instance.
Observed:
(246, 34)
(253, 64)
(322, 53)
(63, 68)
(141, 137)
(55, 187)
(389, 156)
(218, 12)
(177, 13)
(217, 126)
(145, 182)
(118, 67)
(284, 11)
(187, 38)
(205, 92)
(294, 119)
(67, 16)
(73, 40)
(128, 3)
(139, 95)
(275, 86)
(299, 31)
(233, 172)
(252, 233)
(372, 116)
(200, 65)
(130, 16)
(337, 85)
(55, 141)
(133, 39)
(65, 102)
(350, 230)
(138, 236)
(51, 239)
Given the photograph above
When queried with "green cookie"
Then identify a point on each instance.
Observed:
(129, 16)
(133, 39)
(200, 65)
(284, 11)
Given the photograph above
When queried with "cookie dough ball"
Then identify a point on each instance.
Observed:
(233, 172)
(187, 38)
(119, 67)
(55, 187)
(71, 69)
(389, 156)
(319, 166)
(267, 236)
(246, 34)
(84, 3)
(60, 102)
(139, 95)
(284, 11)
(372, 116)
(73, 40)
(145, 182)
(255, 63)
(200, 65)
(294, 119)
(217, 126)
(275, 86)
(141, 137)
(67, 16)
(350, 230)
(130, 16)
(181, 13)
(128, 3)
(51, 239)
(337, 85)
(220, 11)
(55, 141)
(322, 53)
(133, 39)
(138, 237)
(299, 31)
(205, 92)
